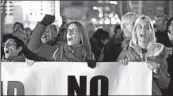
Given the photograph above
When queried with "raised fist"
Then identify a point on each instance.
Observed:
(48, 19)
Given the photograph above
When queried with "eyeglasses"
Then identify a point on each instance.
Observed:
(72, 30)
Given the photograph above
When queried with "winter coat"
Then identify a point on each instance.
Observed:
(96, 46)
(165, 39)
(35, 44)
(155, 52)
(113, 48)
(70, 54)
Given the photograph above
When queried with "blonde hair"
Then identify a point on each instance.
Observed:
(128, 18)
(152, 33)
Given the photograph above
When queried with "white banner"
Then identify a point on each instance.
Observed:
(60, 78)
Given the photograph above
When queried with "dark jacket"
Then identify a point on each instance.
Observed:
(35, 44)
(113, 48)
(163, 38)
(96, 46)
(156, 53)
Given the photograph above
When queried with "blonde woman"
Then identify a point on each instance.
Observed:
(143, 48)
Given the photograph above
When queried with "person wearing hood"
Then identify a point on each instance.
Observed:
(77, 47)
(143, 48)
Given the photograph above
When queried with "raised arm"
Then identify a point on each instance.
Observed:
(35, 39)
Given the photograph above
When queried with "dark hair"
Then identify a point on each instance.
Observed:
(27, 53)
(101, 34)
(19, 24)
(118, 26)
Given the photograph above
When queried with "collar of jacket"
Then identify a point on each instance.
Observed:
(153, 49)
(20, 58)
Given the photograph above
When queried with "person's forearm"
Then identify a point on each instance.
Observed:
(35, 39)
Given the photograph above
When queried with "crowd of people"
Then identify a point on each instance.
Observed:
(136, 39)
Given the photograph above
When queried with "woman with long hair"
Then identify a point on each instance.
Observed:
(143, 48)
(77, 46)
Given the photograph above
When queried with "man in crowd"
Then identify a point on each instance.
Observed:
(43, 40)
(163, 35)
(121, 40)
(98, 42)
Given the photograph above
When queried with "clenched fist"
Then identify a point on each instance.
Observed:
(48, 19)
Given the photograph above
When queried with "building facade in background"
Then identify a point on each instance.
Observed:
(98, 12)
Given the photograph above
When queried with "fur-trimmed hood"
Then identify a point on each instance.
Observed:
(153, 50)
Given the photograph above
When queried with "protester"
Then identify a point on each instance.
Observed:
(113, 47)
(143, 48)
(16, 51)
(98, 42)
(169, 91)
(121, 39)
(17, 27)
(18, 31)
(162, 30)
(43, 40)
(77, 47)
(127, 24)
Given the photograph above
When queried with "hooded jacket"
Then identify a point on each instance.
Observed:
(155, 52)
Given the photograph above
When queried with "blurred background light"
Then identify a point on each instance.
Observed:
(113, 2)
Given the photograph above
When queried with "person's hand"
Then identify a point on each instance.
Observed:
(30, 62)
(154, 66)
(48, 19)
(91, 63)
(124, 61)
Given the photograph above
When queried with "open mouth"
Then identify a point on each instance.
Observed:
(142, 35)
(70, 39)
(44, 37)
(7, 51)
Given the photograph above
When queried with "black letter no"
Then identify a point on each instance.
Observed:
(15, 85)
(73, 86)
(94, 86)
